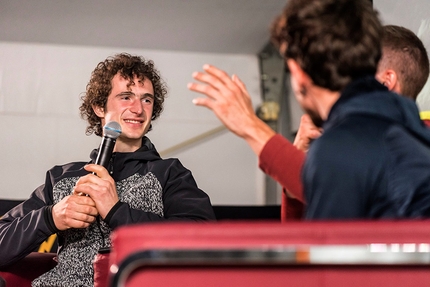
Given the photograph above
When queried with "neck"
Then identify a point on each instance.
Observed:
(325, 100)
(127, 146)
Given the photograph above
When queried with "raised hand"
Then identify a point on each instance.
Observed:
(306, 134)
(229, 99)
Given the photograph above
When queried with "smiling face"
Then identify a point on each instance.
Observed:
(130, 103)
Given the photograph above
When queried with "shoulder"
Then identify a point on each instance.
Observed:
(67, 168)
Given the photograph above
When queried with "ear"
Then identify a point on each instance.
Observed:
(99, 111)
(301, 79)
(389, 79)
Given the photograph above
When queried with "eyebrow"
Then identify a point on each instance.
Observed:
(128, 93)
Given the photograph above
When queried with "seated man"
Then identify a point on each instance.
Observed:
(138, 186)
(223, 94)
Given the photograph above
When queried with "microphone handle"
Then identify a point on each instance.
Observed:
(105, 151)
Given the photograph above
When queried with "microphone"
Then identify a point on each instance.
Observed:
(111, 132)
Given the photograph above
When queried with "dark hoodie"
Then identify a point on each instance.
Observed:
(373, 159)
(150, 189)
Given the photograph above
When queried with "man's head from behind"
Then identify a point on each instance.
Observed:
(404, 66)
(100, 86)
(333, 41)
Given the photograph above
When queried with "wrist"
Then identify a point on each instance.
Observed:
(258, 135)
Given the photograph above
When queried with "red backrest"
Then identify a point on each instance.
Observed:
(29, 268)
(130, 240)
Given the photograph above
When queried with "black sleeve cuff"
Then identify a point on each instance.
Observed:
(50, 220)
(108, 217)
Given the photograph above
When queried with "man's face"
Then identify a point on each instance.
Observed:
(131, 107)
(307, 101)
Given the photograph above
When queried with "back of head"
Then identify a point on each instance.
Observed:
(334, 41)
(405, 53)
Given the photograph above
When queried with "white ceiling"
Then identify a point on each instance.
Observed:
(214, 26)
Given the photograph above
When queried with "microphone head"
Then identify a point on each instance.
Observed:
(112, 130)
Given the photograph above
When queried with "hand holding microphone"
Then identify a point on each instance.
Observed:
(111, 132)
(100, 189)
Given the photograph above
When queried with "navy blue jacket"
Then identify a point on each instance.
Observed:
(373, 159)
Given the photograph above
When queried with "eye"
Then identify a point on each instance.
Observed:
(148, 100)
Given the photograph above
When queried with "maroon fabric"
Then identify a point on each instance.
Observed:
(128, 239)
(282, 161)
(26, 270)
(131, 239)
(291, 208)
(101, 270)
(281, 276)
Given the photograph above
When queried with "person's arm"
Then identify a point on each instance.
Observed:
(281, 160)
(230, 101)
(26, 226)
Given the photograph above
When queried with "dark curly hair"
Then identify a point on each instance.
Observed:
(333, 41)
(100, 86)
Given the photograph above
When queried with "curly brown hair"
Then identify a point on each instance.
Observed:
(333, 41)
(100, 86)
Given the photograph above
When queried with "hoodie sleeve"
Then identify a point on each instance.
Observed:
(26, 226)
(281, 160)
(182, 200)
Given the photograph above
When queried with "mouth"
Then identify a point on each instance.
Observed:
(134, 121)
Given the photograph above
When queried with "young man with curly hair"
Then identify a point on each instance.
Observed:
(137, 186)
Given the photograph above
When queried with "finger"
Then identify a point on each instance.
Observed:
(101, 171)
(207, 90)
(204, 102)
(226, 81)
(88, 188)
(240, 84)
(218, 79)
(80, 223)
(211, 87)
(83, 200)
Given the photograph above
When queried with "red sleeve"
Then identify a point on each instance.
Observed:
(282, 161)
(291, 208)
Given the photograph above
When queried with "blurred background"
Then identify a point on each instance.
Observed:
(48, 49)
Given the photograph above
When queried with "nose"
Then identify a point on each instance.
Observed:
(136, 107)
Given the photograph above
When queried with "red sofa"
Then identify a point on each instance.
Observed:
(24, 271)
(372, 253)
(365, 253)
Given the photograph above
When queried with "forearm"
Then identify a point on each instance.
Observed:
(257, 135)
(21, 235)
(283, 162)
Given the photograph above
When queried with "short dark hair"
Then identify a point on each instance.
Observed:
(405, 53)
(100, 86)
(333, 41)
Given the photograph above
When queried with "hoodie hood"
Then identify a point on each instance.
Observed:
(133, 160)
(370, 98)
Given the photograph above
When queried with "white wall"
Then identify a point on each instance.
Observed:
(40, 88)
